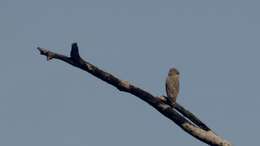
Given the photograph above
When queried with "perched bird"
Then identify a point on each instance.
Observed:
(172, 86)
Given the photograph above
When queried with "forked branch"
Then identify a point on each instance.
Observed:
(194, 127)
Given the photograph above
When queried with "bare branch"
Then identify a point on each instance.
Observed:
(191, 117)
(197, 129)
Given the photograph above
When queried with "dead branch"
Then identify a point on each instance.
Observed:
(196, 128)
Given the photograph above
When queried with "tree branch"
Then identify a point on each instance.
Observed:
(197, 129)
(191, 117)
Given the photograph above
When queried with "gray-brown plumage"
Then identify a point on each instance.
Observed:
(172, 85)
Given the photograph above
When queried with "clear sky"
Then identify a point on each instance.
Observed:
(214, 44)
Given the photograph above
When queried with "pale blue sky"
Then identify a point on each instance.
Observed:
(214, 44)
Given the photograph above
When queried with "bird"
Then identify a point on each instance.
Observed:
(172, 86)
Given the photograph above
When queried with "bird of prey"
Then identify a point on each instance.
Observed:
(172, 86)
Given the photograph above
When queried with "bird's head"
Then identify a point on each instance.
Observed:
(173, 72)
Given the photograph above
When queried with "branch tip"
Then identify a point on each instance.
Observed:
(47, 53)
(74, 53)
(42, 51)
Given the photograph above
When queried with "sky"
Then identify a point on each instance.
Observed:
(214, 45)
